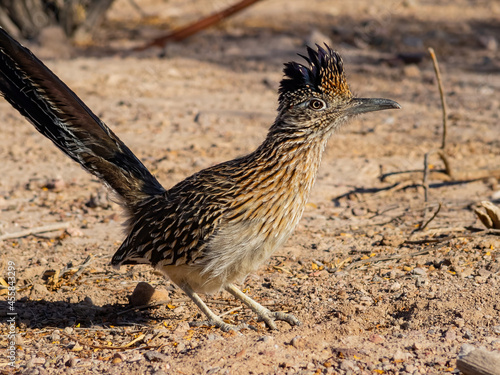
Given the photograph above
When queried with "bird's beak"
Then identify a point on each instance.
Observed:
(363, 105)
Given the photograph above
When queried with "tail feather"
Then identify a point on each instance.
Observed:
(57, 112)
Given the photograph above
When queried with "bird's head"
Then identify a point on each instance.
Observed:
(316, 99)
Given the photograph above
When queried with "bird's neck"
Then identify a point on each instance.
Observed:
(281, 172)
(294, 157)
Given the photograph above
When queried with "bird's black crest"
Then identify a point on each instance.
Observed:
(324, 75)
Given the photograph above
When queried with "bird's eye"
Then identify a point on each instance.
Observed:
(317, 104)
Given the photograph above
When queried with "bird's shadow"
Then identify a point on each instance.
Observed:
(38, 314)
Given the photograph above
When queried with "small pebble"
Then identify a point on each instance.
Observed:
(410, 369)
(465, 349)
(298, 342)
(468, 335)
(417, 346)
(377, 339)
(265, 338)
(395, 286)
(154, 356)
(74, 232)
(420, 281)
(145, 294)
(377, 279)
(400, 356)
(38, 360)
(359, 211)
(412, 71)
(310, 366)
(182, 328)
(450, 335)
(38, 291)
(55, 335)
(136, 358)
(419, 271)
(117, 358)
(347, 365)
(241, 353)
(55, 184)
(71, 362)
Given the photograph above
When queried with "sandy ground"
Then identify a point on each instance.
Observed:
(375, 294)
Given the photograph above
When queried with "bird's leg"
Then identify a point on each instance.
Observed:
(264, 313)
(213, 319)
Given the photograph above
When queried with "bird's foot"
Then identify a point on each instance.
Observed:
(222, 325)
(269, 317)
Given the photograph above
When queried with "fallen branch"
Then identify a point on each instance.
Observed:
(28, 232)
(197, 26)
(480, 362)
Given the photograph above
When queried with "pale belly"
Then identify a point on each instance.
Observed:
(237, 250)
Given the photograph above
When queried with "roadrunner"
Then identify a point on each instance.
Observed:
(215, 227)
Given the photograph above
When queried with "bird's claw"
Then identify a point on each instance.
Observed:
(270, 317)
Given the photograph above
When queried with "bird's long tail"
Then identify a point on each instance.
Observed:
(57, 112)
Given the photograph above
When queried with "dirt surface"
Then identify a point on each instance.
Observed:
(375, 293)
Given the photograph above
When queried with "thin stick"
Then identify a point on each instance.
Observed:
(85, 263)
(494, 232)
(425, 182)
(137, 339)
(441, 93)
(27, 232)
(386, 258)
(432, 218)
(122, 347)
(231, 311)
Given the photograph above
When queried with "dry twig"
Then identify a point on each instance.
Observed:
(85, 263)
(432, 218)
(441, 94)
(27, 232)
(385, 259)
(198, 26)
(495, 232)
(121, 347)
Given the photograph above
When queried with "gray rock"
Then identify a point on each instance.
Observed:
(153, 356)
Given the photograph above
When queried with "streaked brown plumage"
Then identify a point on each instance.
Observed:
(220, 224)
